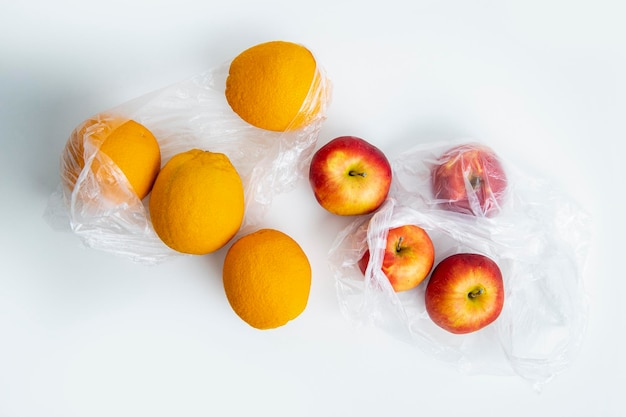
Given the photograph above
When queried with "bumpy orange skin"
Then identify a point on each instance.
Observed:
(268, 86)
(197, 202)
(128, 144)
(267, 279)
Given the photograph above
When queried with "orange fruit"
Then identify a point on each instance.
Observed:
(275, 86)
(120, 146)
(267, 278)
(197, 202)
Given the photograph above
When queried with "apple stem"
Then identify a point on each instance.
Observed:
(475, 293)
(398, 246)
(354, 173)
(475, 182)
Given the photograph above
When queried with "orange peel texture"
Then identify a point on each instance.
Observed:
(275, 86)
(267, 278)
(197, 202)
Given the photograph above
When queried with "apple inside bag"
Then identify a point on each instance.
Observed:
(538, 240)
(369, 299)
(465, 177)
(192, 113)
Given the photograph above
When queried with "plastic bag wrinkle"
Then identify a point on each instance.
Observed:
(189, 114)
(539, 238)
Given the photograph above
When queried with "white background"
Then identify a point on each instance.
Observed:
(85, 333)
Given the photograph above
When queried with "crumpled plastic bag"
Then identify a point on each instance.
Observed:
(539, 238)
(189, 114)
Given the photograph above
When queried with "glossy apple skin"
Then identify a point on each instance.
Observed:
(350, 176)
(470, 179)
(409, 257)
(465, 293)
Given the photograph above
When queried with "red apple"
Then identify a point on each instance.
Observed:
(470, 179)
(350, 176)
(409, 257)
(465, 293)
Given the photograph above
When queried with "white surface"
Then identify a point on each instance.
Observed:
(83, 333)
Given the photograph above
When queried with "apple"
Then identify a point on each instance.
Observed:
(465, 293)
(409, 257)
(470, 179)
(350, 176)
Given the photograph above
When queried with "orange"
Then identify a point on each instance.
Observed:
(197, 202)
(120, 146)
(274, 86)
(267, 278)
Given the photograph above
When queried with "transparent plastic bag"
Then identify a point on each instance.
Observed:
(190, 114)
(539, 238)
